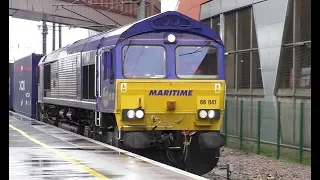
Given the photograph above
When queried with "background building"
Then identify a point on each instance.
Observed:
(126, 7)
(268, 59)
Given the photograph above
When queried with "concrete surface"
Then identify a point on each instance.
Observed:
(41, 151)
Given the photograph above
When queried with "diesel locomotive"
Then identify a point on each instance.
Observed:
(155, 87)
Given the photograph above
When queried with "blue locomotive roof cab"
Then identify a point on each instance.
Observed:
(152, 27)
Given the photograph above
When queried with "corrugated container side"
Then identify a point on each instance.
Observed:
(11, 85)
(35, 61)
(40, 81)
(25, 85)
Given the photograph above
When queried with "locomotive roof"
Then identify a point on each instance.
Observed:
(170, 20)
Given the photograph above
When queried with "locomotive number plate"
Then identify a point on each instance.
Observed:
(208, 102)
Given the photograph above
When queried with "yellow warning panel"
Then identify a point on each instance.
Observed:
(217, 88)
(123, 87)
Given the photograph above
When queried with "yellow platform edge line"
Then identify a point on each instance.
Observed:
(62, 155)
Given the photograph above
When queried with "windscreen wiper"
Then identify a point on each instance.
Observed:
(196, 51)
(125, 54)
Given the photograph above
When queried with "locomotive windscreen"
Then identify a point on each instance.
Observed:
(197, 62)
(144, 61)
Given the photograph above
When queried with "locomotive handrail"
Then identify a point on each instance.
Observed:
(95, 77)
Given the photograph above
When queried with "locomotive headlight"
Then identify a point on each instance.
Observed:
(211, 114)
(133, 114)
(130, 114)
(171, 38)
(203, 114)
(139, 114)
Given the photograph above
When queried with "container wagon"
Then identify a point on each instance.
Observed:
(25, 88)
(10, 86)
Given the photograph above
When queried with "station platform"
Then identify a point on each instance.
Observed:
(41, 151)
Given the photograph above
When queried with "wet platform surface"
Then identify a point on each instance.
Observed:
(40, 151)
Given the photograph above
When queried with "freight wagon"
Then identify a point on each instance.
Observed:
(25, 85)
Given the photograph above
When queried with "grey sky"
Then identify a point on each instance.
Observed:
(25, 37)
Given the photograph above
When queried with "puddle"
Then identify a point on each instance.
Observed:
(58, 170)
(44, 163)
(78, 140)
(36, 123)
(109, 152)
(97, 150)
(63, 171)
(111, 176)
(140, 161)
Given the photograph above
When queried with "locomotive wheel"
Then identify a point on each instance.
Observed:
(198, 161)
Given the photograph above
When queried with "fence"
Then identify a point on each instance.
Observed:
(278, 129)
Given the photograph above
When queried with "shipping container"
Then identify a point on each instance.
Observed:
(11, 86)
(26, 85)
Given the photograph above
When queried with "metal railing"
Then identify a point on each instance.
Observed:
(279, 128)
